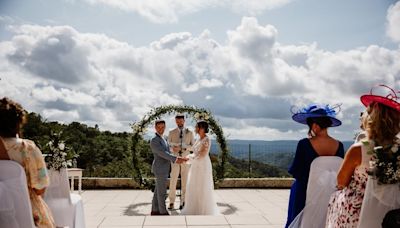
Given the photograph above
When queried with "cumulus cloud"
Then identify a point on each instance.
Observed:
(50, 53)
(249, 82)
(393, 22)
(169, 11)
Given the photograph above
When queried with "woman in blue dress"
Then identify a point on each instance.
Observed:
(318, 118)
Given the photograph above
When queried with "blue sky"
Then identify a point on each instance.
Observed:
(332, 24)
(108, 62)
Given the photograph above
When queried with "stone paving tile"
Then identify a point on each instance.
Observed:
(201, 220)
(255, 226)
(123, 221)
(247, 220)
(240, 208)
(163, 226)
(165, 221)
(213, 226)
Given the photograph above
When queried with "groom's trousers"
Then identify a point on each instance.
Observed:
(160, 195)
(175, 169)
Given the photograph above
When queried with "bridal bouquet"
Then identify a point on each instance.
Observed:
(57, 154)
(385, 162)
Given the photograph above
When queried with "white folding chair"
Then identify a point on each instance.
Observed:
(377, 201)
(15, 205)
(67, 208)
(321, 185)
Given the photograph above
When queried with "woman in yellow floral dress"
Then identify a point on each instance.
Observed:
(26, 153)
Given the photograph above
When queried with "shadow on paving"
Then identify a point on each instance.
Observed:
(133, 210)
(228, 209)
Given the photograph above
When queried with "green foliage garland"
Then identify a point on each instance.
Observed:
(140, 127)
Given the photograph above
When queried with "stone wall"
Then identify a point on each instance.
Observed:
(129, 183)
(256, 183)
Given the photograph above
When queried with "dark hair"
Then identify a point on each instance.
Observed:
(159, 122)
(12, 118)
(391, 219)
(203, 125)
(323, 122)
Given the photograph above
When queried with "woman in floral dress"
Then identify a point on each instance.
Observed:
(382, 125)
(26, 153)
(345, 204)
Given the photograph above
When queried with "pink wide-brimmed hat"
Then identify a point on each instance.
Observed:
(391, 100)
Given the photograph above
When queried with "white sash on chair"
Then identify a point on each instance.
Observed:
(321, 185)
(378, 200)
(15, 205)
(67, 208)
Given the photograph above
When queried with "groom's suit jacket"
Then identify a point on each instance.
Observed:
(162, 156)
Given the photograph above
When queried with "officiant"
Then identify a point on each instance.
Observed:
(180, 140)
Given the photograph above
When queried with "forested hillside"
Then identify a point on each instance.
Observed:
(107, 154)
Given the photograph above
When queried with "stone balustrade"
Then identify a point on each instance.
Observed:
(129, 183)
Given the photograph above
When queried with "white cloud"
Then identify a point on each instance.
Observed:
(249, 82)
(169, 11)
(261, 133)
(255, 7)
(393, 22)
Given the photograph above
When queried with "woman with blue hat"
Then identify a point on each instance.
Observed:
(318, 118)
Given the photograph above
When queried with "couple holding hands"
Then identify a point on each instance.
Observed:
(197, 179)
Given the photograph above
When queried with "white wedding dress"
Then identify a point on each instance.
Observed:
(200, 199)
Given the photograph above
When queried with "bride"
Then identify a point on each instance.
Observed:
(200, 199)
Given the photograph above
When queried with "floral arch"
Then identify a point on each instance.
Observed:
(140, 127)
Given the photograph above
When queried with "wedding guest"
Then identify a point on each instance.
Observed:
(382, 126)
(180, 140)
(363, 123)
(318, 118)
(26, 153)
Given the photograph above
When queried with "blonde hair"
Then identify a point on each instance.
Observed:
(383, 123)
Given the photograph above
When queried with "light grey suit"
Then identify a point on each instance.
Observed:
(160, 168)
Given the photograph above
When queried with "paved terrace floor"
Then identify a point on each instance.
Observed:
(240, 208)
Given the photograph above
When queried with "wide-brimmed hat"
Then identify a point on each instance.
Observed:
(315, 111)
(391, 100)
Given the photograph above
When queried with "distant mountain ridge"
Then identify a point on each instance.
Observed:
(279, 153)
(289, 146)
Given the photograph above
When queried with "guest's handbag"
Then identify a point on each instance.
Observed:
(391, 219)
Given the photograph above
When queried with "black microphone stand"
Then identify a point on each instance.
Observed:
(180, 168)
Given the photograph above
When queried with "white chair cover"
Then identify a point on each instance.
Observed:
(15, 205)
(67, 208)
(321, 185)
(378, 200)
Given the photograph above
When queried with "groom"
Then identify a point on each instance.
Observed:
(160, 168)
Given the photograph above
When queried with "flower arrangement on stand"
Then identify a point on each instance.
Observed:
(57, 154)
(385, 162)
